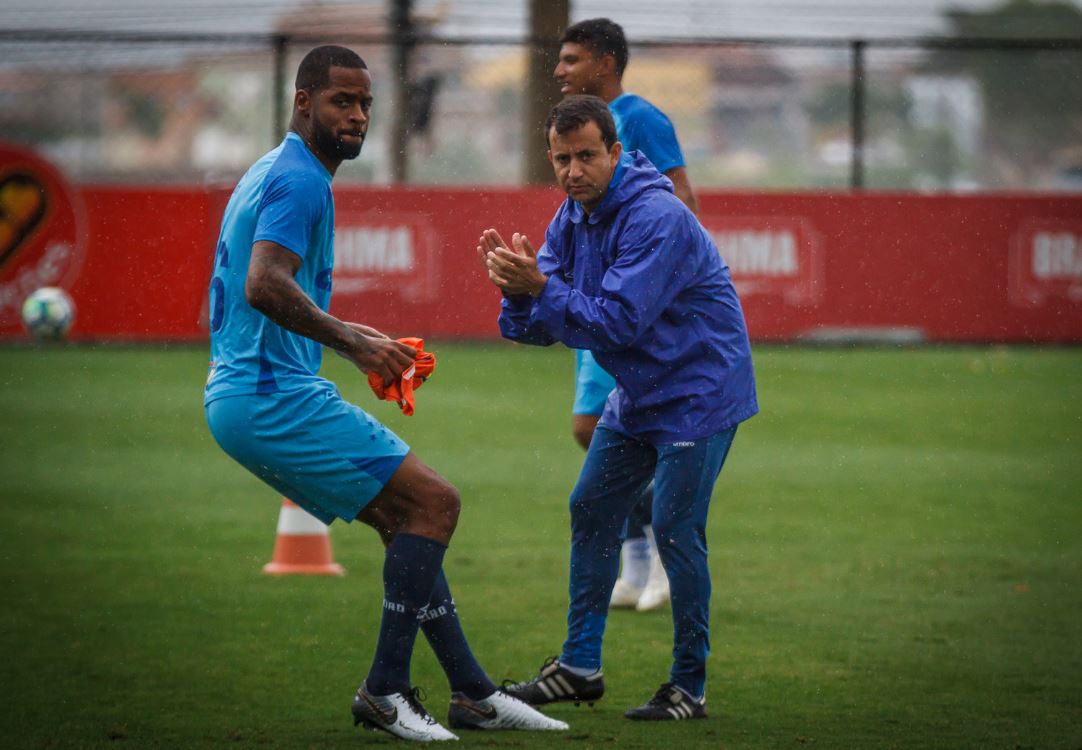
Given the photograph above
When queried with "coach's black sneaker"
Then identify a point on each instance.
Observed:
(669, 703)
(557, 683)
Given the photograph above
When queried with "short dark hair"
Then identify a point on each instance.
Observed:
(315, 69)
(575, 111)
(602, 37)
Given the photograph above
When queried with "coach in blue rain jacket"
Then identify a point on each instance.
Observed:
(629, 273)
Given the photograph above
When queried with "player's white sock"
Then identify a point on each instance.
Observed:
(648, 533)
(581, 671)
(635, 561)
(656, 592)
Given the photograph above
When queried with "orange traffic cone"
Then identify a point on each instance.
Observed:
(303, 546)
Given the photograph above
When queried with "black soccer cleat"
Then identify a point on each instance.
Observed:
(555, 683)
(669, 703)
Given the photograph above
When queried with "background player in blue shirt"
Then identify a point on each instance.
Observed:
(628, 272)
(268, 408)
(593, 56)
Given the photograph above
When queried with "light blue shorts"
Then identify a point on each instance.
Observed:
(592, 385)
(320, 451)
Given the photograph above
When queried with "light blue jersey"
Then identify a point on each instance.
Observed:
(285, 198)
(640, 126)
(281, 421)
(592, 385)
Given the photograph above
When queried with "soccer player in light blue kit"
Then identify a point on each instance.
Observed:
(268, 408)
(628, 272)
(593, 56)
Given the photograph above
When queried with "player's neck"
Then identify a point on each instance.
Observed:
(331, 165)
(611, 90)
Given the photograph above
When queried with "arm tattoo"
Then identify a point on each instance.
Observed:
(275, 293)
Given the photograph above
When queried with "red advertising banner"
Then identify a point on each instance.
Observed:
(808, 266)
(903, 267)
(774, 256)
(405, 259)
(1046, 262)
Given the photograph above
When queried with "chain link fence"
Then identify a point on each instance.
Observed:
(929, 115)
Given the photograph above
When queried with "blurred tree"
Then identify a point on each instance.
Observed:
(403, 35)
(1032, 98)
(548, 19)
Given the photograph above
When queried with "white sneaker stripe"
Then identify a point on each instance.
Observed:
(674, 712)
(685, 710)
(567, 690)
(543, 684)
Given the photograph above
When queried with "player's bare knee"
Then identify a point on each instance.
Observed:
(435, 510)
(582, 428)
(583, 436)
(448, 506)
(386, 533)
(381, 519)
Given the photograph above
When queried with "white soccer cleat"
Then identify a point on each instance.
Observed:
(499, 711)
(624, 595)
(656, 592)
(400, 714)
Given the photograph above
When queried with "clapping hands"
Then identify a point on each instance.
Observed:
(513, 269)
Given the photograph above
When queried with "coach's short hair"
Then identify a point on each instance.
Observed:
(315, 69)
(575, 111)
(602, 37)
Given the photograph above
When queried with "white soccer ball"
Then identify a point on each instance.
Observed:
(48, 313)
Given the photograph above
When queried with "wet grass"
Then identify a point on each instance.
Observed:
(894, 546)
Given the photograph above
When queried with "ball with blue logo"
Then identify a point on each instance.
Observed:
(48, 314)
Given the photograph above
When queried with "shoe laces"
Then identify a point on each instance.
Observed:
(511, 684)
(414, 698)
(662, 696)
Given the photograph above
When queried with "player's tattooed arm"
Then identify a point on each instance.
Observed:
(271, 288)
(366, 330)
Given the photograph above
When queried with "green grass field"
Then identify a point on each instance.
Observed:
(896, 547)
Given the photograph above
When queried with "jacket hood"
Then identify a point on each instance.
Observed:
(634, 175)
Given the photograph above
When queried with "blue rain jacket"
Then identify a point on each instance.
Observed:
(640, 283)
